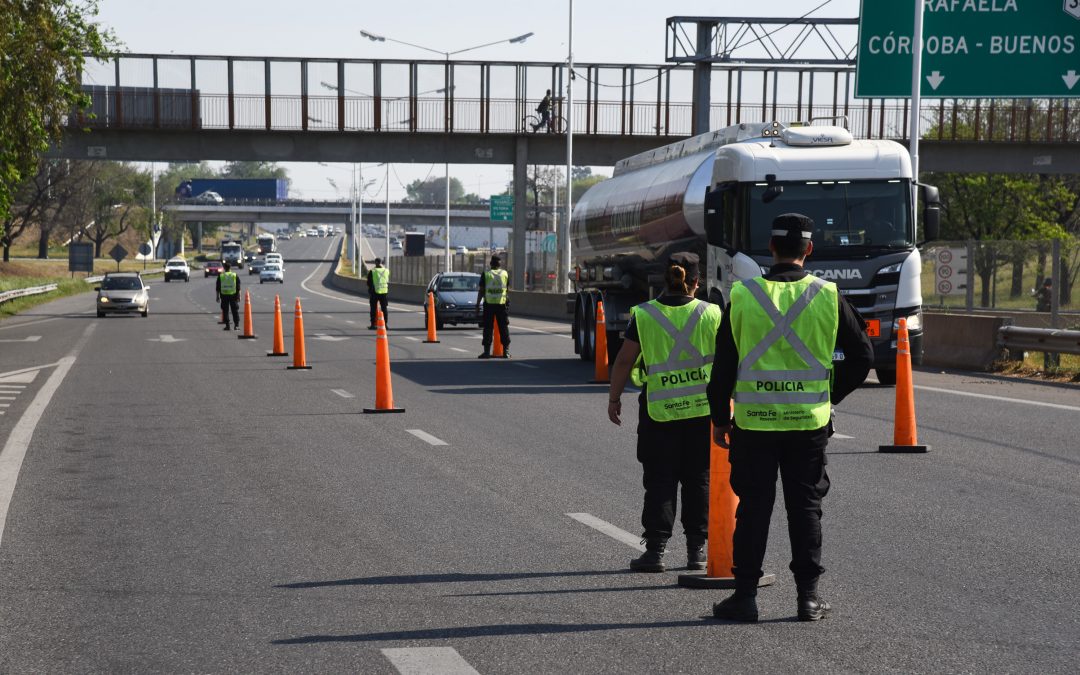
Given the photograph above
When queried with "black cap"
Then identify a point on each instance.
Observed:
(793, 226)
(378, 261)
(495, 260)
(688, 261)
(1047, 282)
(225, 266)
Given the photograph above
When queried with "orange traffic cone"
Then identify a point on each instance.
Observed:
(905, 438)
(279, 339)
(722, 505)
(299, 355)
(601, 375)
(221, 319)
(249, 328)
(497, 350)
(431, 337)
(384, 392)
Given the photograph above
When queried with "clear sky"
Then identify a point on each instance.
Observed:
(607, 31)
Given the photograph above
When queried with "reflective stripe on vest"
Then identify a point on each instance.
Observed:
(677, 360)
(783, 383)
(380, 279)
(495, 282)
(228, 283)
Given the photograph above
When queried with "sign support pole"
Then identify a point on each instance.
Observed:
(916, 93)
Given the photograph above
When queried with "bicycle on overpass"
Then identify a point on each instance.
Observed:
(530, 124)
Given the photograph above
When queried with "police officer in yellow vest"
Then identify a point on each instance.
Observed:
(378, 284)
(671, 340)
(494, 288)
(774, 358)
(227, 289)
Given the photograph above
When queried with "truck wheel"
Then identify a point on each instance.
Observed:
(886, 375)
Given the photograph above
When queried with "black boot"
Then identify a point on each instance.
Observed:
(652, 560)
(695, 554)
(739, 606)
(812, 606)
(484, 355)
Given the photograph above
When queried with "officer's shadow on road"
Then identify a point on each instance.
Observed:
(498, 376)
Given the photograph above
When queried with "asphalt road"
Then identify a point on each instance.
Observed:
(187, 504)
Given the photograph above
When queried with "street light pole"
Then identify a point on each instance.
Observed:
(563, 282)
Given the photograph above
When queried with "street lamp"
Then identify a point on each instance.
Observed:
(446, 166)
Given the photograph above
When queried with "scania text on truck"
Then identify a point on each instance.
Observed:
(716, 195)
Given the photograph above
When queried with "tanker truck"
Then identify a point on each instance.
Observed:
(716, 195)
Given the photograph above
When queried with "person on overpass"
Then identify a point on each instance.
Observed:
(775, 358)
(545, 112)
(227, 289)
(673, 336)
(378, 284)
(493, 290)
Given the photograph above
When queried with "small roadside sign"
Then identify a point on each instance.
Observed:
(502, 208)
(951, 271)
(118, 253)
(80, 256)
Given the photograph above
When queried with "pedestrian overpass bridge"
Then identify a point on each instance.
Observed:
(374, 213)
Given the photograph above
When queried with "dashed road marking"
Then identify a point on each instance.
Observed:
(1058, 406)
(459, 349)
(29, 338)
(610, 530)
(843, 437)
(412, 338)
(525, 365)
(426, 437)
(428, 661)
(342, 393)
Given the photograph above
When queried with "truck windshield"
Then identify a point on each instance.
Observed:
(852, 218)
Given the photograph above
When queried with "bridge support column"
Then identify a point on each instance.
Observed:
(517, 240)
(699, 122)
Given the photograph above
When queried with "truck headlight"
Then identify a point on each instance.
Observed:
(891, 269)
(914, 322)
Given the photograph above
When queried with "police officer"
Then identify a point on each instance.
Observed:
(673, 336)
(774, 357)
(227, 289)
(378, 284)
(494, 286)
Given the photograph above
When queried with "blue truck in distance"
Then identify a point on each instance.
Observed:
(236, 189)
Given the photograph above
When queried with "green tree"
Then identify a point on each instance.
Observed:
(254, 170)
(433, 191)
(118, 196)
(42, 47)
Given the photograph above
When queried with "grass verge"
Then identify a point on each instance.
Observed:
(30, 273)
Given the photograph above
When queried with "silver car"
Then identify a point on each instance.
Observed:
(123, 293)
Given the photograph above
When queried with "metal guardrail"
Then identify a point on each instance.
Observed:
(23, 292)
(1049, 340)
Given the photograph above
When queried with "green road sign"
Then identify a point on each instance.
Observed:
(971, 49)
(502, 207)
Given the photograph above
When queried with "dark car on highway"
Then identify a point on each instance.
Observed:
(213, 267)
(255, 266)
(455, 298)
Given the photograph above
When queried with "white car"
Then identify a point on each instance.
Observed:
(462, 250)
(209, 197)
(275, 259)
(177, 268)
(272, 271)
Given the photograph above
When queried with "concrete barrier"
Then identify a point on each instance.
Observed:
(962, 341)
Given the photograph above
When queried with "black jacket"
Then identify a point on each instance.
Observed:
(847, 374)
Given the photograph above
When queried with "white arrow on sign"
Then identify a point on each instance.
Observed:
(329, 338)
(935, 79)
(1071, 78)
(29, 338)
(166, 338)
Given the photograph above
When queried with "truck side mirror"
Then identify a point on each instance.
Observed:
(931, 199)
(716, 231)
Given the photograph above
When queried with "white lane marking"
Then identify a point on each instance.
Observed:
(428, 661)
(328, 338)
(165, 338)
(426, 437)
(342, 393)
(1057, 406)
(349, 321)
(475, 337)
(525, 365)
(414, 339)
(5, 405)
(459, 349)
(842, 437)
(21, 377)
(11, 457)
(303, 284)
(29, 338)
(633, 541)
(6, 398)
(31, 323)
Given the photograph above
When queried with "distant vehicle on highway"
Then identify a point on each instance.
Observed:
(123, 293)
(312, 232)
(209, 197)
(284, 236)
(213, 267)
(266, 243)
(272, 271)
(233, 253)
(461, 250)
(301, 233)
(395, 244)
(255, 266)
(322, 230)
(177, 268)
(455, 298)
(276, 259)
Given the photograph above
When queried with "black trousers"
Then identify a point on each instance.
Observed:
(376, 300)
(800, 458)
(672, 454)
(231, 302)
(493, 313)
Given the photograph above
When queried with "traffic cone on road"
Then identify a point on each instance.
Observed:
(384, 392)
(722, 505)
(299, 355)
(905, 438)
(279, 338)
(249, 328)
(601, 375)
(431, 337)
(221, 319)
(497, 350)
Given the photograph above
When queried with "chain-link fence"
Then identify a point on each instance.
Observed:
(1036, 275)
